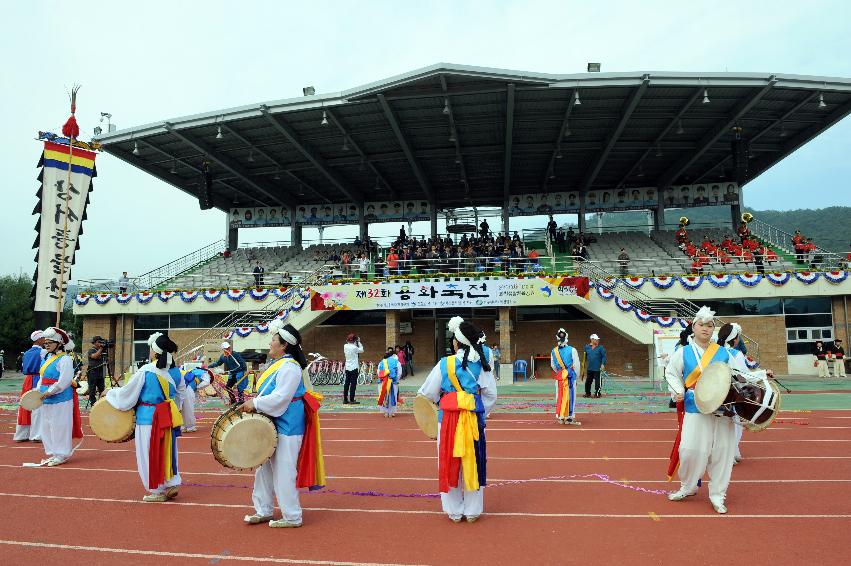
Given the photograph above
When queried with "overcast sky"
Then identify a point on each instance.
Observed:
(158, 60)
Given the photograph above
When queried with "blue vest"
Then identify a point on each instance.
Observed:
(566, 353)
(53, 373)
(689, 363)
(392, 364)
(291, 423)
(467, 379)
(152, 394)
(32, 363)
(193, 377)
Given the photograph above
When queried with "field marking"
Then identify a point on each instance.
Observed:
(211, 557)
(426, 512)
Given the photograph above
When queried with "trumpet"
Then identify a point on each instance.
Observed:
(747, 217)
(683, 221)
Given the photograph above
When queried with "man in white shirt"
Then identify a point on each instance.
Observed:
(351, 349)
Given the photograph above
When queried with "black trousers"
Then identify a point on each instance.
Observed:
(350, 385)
(96, 388)
(595, 377)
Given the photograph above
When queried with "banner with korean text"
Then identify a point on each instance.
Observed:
(61, 208)
(532, 291)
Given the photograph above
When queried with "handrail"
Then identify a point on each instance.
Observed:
(237, 319)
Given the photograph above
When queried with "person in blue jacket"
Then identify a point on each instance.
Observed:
(237, 369)
(595, 362)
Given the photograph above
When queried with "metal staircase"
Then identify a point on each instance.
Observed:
(680, 308)
(212, 337)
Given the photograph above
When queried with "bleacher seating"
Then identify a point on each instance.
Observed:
(667, 240)
(646, 256)
(236, 271)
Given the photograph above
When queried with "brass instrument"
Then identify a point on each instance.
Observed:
(683, 221)
(747, 217)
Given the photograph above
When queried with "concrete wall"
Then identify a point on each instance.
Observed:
(770, 334)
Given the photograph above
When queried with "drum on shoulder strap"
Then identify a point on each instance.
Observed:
(425, 413)
(111, 425)
(751, 396)
(243, 440)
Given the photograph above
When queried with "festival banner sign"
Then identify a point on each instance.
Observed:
(62, 200)
(533, 291)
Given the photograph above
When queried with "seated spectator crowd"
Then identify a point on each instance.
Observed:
(708, 252)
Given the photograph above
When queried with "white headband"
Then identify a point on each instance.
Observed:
(704, 315)
(278, 327)
(454, 326)
(36, 335)
(737, 329)
(152, 342)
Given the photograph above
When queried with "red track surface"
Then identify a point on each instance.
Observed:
(789, 501)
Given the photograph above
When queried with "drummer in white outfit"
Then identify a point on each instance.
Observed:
(195, 379)
(57, 412)
(144, 393)
(280, 390)
(707, 441)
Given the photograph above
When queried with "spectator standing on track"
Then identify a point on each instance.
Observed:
(496, 353)
(820, 354)
(409, 357)
(400, 355)
(595, 362)
(351, 350)
(95, 374)
(838, 358)
(623, 261)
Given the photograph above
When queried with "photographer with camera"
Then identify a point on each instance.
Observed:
(351, 349)
(97, 360)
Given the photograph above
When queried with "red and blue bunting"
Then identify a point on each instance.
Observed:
(189, 296)
(164, 296)
(751, 363)
(144, 297)
(719, 281)
(244, 331)
(807, 277)
(297, 304)
(665, 321)
(662, 282)
(634, 282)
(103, 298)
(228, 335)
(623, 304)
(641, 315)
(691, 282)
(236, 294)
(282, 292)
(82, 299)
(263, 327)
(682, 322)
(749, 279)
(123, 298)
(835, 276)
(608, 283)
(778, 279)
(282, 315)
(212, 295)
(604, 293)
(258, 294)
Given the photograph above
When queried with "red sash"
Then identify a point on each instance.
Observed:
(76, 423)
(448, 466)
(24, 416)
(310, 467)
(160, 427)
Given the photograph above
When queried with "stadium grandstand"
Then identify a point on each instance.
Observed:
(491, 156)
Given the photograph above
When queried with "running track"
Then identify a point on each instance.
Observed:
(587, 495)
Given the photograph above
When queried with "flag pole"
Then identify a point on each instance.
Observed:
(72, 130)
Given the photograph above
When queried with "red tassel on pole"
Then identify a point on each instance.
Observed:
(71, 130)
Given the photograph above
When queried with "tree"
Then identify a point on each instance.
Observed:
(16, 315)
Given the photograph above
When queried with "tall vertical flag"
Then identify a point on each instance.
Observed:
(62, 200)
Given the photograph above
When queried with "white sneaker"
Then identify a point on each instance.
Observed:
(679, 495)
(56, 461)
(283, 524)
(257, 519)
(720, 508)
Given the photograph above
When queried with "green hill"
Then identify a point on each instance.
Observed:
(829, 227)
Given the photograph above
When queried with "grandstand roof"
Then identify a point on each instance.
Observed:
(514, 132)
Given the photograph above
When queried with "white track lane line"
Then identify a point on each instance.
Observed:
(424, 512)
(210, 557)
(433, 479)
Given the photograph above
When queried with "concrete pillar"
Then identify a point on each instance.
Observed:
(505, 216)
(659, 211)
(506, 365)
(232, 240)
(362, 225)
(736, 215)
(433, 220)
(321, 232)
(295, 238)
(391, 328)
(582, 212)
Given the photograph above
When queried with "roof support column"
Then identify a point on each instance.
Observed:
(736, 214)
(363, 229)
(659, 211)
(505, 217)
(432, 216)
(231, 235)
(582, 212)
(295, 237)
